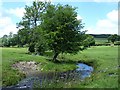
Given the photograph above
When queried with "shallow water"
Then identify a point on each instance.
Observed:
(44, 79)
(85, 70)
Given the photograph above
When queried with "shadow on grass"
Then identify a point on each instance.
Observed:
(59, 61)
(92, 63)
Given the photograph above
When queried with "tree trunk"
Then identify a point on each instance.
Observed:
(55, 56)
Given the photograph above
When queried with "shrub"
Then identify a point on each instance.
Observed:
(39, 48)
(31, 48)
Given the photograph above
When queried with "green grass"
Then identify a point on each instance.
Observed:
(101, 40)
(12, 55)
(106, 59)
(102, 58)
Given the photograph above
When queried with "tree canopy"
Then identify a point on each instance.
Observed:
(62, 29)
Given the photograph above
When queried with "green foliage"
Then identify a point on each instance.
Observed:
(15, 40)
(56, 23)
(113, 38)
(31, 48)
(118, 38)
(10, 40)
(117, 43)
(62, 28)
(40, 48)
(29, 31)
(39, 44)
(5, 41)
(1, 42)
(89, 41)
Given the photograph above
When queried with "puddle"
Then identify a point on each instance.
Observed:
(44, 79)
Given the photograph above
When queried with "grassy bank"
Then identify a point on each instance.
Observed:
(106, 68)
(104, 59)
(12, 55)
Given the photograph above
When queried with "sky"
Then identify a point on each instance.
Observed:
(98, 17)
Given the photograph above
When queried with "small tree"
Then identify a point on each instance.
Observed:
(62, 29)
(89, 41)
(5, 40)
(113, 38)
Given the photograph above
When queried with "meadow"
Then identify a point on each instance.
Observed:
(104, 59)
(101, 40)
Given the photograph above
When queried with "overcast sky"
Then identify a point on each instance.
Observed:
(99, 17)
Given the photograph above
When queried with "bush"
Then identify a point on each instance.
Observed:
(31, 48)
(89, 41)
(40, 48)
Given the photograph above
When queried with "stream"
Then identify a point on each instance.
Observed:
(41, 80)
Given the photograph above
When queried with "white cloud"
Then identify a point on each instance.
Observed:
(108, 25)
(79, 17)
(6, 23)
(19, 12)
(7, 26)
(113, 16)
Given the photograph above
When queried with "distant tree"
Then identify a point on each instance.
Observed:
(118, 38)
(5, 40)
(113, 38)
(62, 29)
(1, 45)
(14, 40)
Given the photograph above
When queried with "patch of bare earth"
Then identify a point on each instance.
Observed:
(28, 68)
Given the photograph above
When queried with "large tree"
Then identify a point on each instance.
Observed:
(62, 29)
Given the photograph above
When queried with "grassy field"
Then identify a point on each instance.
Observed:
(101, 40)
(104, 59)
(13, 55)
